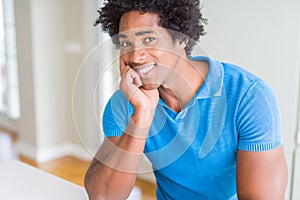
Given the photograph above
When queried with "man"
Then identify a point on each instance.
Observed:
(210, 129)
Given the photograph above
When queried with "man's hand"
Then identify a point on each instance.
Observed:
(141, 99)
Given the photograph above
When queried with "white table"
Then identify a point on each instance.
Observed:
(19, 181)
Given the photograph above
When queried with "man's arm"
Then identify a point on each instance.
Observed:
(261, 175)
(112, 173)
(99, 177)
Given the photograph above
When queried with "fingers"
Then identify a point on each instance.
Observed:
(130, 81)
(137, 80)
(130, 76)
(124, 68)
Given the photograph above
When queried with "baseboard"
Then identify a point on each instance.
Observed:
(44, 155)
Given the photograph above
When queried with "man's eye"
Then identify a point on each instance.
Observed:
(124, 44)
(149, 39)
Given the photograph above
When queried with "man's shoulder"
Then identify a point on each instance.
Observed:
(118, 100)
(118, 96)
(233, 71)
(237, 78)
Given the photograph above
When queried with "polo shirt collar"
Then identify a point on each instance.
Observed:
(212, 86)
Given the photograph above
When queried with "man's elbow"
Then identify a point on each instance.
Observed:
(92, 188)
(274, 190)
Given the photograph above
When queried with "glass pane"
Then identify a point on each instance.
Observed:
(10, 39)
(12, 72)
(8, 10)
(3, 90)
(14, 104)
(9, 86)
(3, 80)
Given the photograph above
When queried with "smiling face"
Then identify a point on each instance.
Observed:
(148, 48)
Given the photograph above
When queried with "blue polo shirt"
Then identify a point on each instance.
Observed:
(193, 152)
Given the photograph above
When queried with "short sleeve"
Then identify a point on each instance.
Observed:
(116, 115)
(258, 119)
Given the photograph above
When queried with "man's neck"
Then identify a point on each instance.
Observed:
(183, 84)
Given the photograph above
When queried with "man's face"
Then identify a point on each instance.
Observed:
(148, 48)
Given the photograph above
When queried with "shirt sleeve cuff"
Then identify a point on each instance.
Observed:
(259, 146)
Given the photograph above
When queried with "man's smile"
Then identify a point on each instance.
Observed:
(146, 69)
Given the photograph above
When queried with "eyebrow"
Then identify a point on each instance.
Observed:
(140, 33)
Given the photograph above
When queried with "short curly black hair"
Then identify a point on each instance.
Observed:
(180, 16)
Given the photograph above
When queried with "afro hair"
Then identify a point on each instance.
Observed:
(180, 16)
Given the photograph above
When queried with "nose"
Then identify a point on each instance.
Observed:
(137, 56)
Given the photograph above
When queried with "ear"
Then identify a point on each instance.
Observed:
(182, 42)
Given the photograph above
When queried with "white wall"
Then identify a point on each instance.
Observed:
(52, 39)
(27, 121)
(49, 72)
(263, 37)
(296, 181)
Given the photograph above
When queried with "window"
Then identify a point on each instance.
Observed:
(9, 87)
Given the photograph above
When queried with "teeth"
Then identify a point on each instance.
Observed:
(147, 69)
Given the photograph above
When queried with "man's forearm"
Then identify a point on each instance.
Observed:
(112, 176)
(112, 173)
